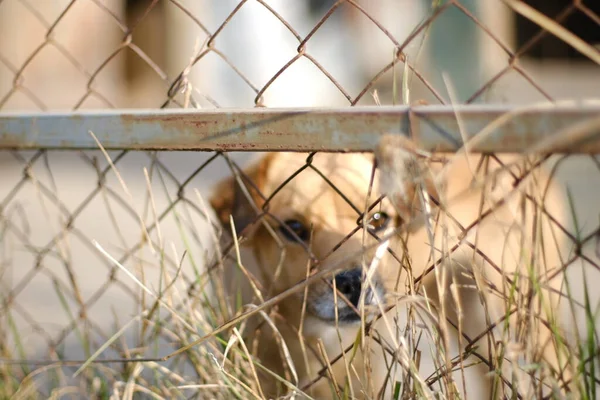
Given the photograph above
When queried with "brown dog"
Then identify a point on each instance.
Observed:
(468, 232)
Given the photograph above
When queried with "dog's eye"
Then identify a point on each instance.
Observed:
(293, 225)
(378, 221)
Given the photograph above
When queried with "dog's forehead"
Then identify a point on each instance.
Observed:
(349, 173)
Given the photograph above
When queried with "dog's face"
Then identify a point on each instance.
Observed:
(314, 222)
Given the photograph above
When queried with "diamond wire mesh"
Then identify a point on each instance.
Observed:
(72, 55)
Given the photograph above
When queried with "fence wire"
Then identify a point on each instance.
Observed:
(113, 252)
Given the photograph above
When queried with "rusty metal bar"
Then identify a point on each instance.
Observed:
(568, 127)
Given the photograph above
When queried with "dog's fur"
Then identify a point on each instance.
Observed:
(506, 240)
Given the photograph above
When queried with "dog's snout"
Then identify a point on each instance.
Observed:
(349, 284)
(344, 304)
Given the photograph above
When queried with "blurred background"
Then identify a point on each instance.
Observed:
(61, 55)
(68, 55)
(65, 55)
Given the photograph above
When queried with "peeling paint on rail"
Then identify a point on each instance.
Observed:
(487, 128)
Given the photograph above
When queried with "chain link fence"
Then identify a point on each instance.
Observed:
(107, 256)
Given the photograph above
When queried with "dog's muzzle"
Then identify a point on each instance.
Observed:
(350, 285)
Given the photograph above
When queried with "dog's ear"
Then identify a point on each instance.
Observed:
(228, 198)
(402, 172)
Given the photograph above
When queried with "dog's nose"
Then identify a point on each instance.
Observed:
(349, 284)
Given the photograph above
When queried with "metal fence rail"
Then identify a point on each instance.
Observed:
(551, 128)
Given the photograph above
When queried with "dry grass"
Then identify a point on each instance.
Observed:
(189, 338)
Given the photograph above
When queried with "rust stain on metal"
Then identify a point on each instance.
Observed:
(10, 141)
